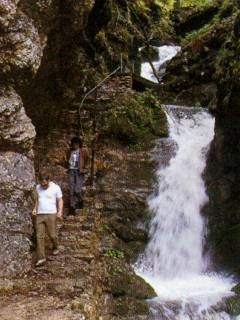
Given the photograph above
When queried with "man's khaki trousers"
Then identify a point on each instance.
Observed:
(45, 222)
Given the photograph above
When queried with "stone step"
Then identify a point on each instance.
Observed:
(76, 228)
(74, 246)
(70, 236)
(81, 243)
(84, 255)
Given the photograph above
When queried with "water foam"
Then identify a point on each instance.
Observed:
(173, 263)
(166, 53)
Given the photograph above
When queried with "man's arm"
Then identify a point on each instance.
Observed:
(60, 208)
(35, 206)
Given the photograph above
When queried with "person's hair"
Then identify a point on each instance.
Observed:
(44, 175)
(76, 140)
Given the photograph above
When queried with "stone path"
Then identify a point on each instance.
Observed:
(91, 278)
(65, 287)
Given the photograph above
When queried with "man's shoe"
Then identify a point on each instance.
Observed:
(40, 262)
(55, 252)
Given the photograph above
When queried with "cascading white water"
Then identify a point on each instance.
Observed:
(173, 262)
(177, 226)
(165, 53)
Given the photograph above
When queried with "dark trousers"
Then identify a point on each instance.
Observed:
(75, 186)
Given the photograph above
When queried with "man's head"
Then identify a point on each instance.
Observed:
(76, 143)
(44, 179)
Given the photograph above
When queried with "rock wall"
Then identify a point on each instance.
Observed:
(20, 57)
(222, 174)
(190, 76)
(83, 48)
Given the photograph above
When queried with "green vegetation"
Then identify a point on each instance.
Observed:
(113, 253)
(133, 117)
(195, 34)
(103, 228)
(236, 289)
(127, 23)
(227, 64)
(198, 3)
(169, 4)
(225, 11)
(233, 305)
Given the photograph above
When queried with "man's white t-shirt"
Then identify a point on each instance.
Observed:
(47, 198)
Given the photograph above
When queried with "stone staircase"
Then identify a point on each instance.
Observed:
(65, 287)
(69, 286)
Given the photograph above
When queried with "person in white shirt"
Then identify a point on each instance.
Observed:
(48, 206)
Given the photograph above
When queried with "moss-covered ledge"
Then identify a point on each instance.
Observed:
(134, 118)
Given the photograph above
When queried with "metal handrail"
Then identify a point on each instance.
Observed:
(95, 88)
(94, 122)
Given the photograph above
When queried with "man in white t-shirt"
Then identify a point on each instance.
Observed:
(48, 207)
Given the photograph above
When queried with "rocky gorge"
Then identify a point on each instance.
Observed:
(44, 46)
(52, 54)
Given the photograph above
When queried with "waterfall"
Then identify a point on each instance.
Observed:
(165, 54)
(177, 227)
(173, 262)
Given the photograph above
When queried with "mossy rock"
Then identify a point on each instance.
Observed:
(128, 234)
(121, 281)
(149, 52)
(236, 289)
(134, 118)
(121, 27)
(129, 307)
(233, 305)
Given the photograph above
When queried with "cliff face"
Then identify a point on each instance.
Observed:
(86, 42)
(20, 57)
(222, 173)
(25, 29)
(190, 77)
(207, 73)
